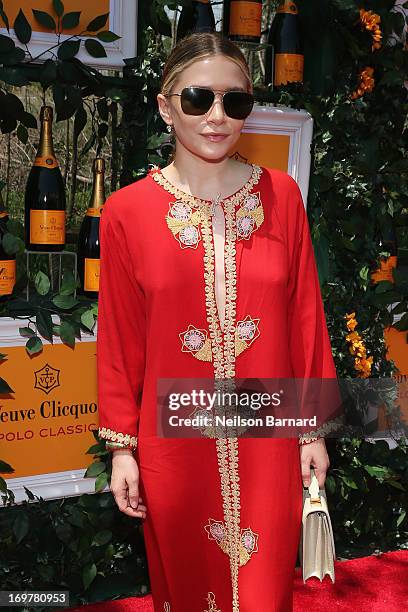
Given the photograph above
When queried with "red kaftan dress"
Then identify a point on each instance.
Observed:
(223, 515)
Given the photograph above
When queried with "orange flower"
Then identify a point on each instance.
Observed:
(366, 83)
(371, 21)
(362, 363)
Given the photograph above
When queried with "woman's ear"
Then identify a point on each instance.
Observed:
(164, 109)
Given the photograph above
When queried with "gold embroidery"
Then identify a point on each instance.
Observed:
(248, 545)
(246, 332)
(184, 224)
(118, 437)
(196, 342)
(320, 432)
(212, 605)
(250, 216)
(166, 607)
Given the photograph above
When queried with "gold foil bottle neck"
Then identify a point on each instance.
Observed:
(46, 113)
(98, 192)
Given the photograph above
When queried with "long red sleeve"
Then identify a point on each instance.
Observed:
(309, 342)
(121, 333)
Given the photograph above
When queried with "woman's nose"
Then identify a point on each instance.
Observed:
(216, 112)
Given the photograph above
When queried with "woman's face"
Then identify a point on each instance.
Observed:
(193, 132)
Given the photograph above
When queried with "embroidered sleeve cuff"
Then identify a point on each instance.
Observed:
(320, 432)
(116, 439)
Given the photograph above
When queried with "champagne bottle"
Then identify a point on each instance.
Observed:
(198, 17)
(241, 21)
(284, 61)
(88, 239)
(7, 262)
(45, 195)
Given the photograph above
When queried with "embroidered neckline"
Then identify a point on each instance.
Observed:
(156, 173)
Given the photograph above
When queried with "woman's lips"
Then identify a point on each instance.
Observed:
(215, 137)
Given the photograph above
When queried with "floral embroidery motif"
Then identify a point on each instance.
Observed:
(196, 342)
(245, 333)
(166, 607)
(249, 540)
(212, 605)
(118, 437)
(250, 216)
(184, 224)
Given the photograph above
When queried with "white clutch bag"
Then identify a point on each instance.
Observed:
(316, 547)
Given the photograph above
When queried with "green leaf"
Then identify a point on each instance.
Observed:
(101, 482)
(26, 332)
(28, 120)
(48, 72)
(21, 526)
(6, 44)
(67, 333)
(97, 23)
(70, 20)
(44, 324)
(34, 345)
(107, 36)
(68, 284)
(95, 48)
(87, 319)
(4, 16)
(401, 517)
(102, 537)
(58, 7)
(88, 574)
(22, 134)
(12, 244)
(44, 19)
(68, 49)
(80, 120)
(95, 469)
(22, 28)
(5, 388)
(42, 283)
(5, 468)
(65, 302)
(395, 484)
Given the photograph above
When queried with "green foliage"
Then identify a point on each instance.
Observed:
(81, 544)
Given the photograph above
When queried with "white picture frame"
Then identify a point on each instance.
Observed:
(298, 126)
(122, 21)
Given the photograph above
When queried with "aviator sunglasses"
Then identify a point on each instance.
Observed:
(199, 100)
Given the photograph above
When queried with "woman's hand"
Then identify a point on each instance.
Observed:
(315, 454)
(125, 483)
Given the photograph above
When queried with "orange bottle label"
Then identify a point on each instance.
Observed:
(245, 18)
(287, 7)
(288, 68)
(7, 276)
(384, 272)
(47, 226)
(46, 162)
(94, 212)
(91, 274)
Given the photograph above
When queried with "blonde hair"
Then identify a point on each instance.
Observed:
(197, 46)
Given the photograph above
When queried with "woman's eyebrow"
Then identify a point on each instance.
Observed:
(226, 89)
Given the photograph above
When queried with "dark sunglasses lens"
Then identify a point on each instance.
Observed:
(238, 104)
(196, 101)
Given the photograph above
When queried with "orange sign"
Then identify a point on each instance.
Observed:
(268, 150)
(45, 425)
(88, 10)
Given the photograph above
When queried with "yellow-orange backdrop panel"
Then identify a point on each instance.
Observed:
(88, 10)
(45, 443)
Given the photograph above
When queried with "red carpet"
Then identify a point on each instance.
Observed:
(368, 584)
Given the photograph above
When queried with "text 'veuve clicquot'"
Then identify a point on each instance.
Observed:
(45, 195)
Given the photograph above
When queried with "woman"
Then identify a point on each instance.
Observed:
(208, 272)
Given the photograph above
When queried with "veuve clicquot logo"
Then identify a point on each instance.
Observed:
(45, 195)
